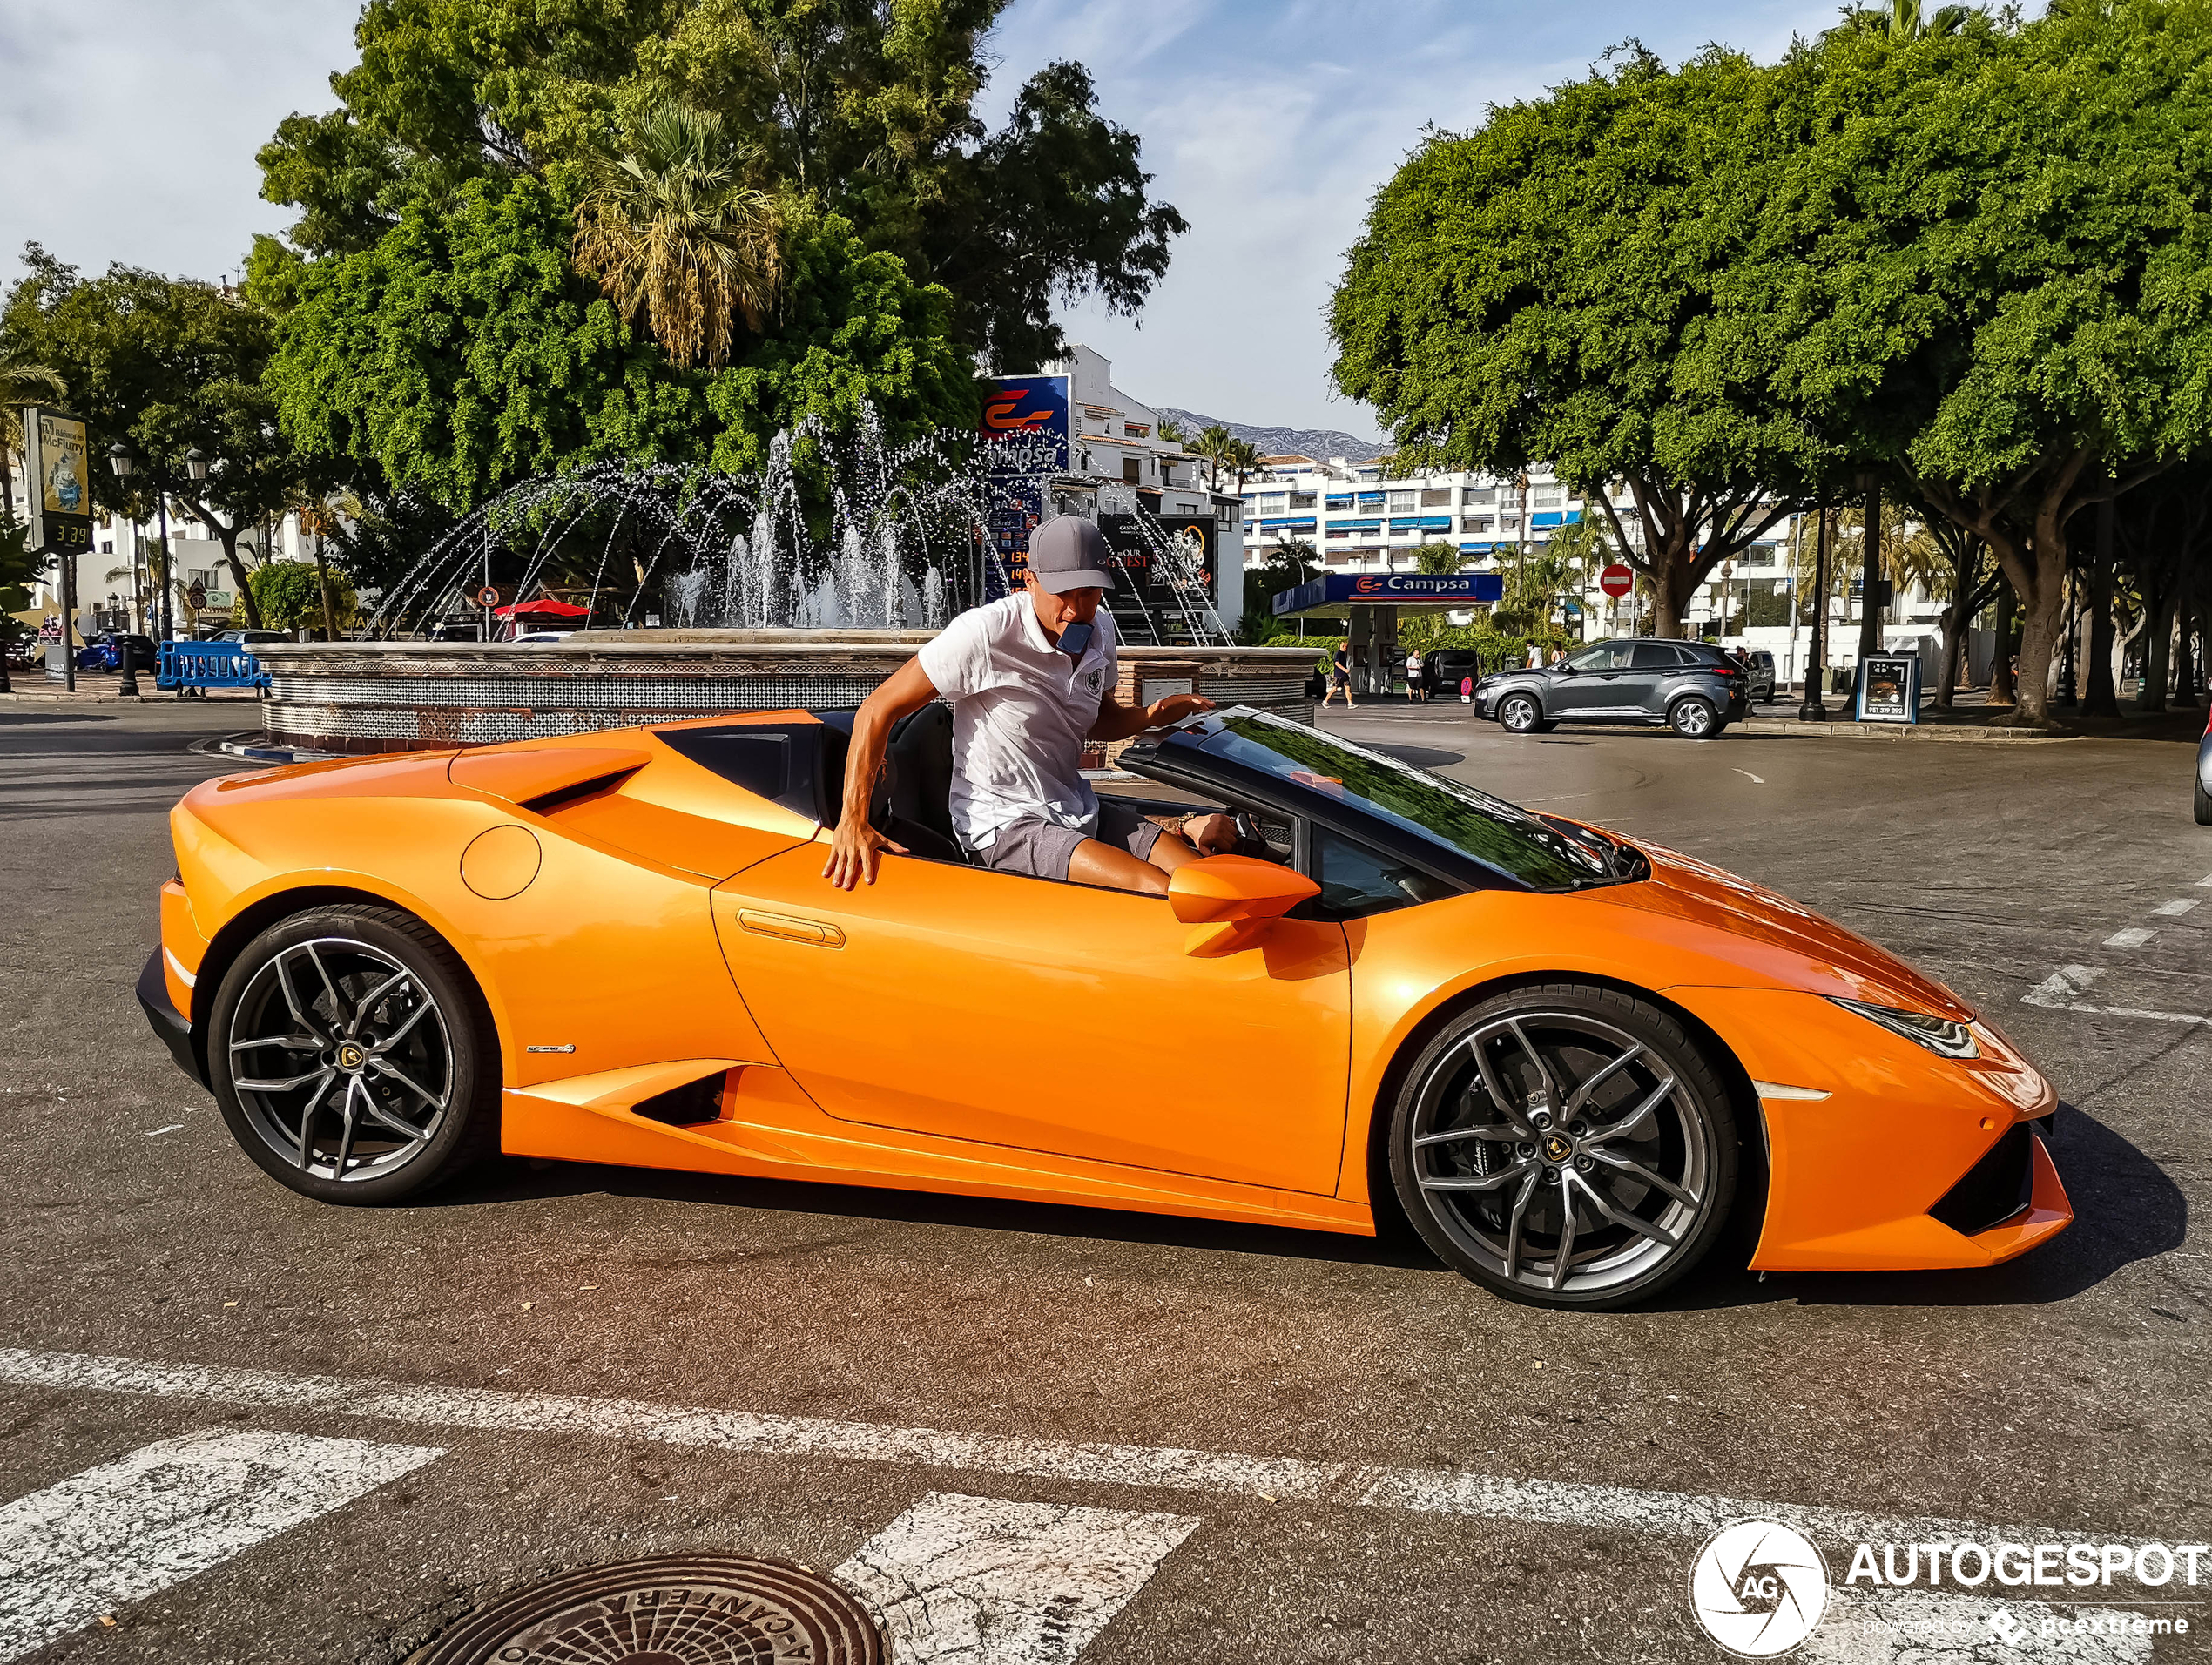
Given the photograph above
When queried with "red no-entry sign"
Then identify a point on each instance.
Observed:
(1616, 580)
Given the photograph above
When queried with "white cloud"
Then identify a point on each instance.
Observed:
(128, 127)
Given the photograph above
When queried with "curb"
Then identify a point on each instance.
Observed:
(1795, 728)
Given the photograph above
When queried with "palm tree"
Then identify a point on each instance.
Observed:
(1212, 447)
(1902, 21)
(22, 383)
(672, 231)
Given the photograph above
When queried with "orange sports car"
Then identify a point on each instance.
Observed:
(1568, 1058)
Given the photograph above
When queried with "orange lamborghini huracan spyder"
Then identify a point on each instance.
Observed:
(1566, 1057)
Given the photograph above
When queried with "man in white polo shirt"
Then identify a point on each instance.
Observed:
(1030, 678)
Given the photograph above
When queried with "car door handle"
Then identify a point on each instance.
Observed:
(813, 932)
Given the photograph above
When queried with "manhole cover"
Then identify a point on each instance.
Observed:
(676, 1610)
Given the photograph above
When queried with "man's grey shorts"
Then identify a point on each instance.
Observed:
(1043, 849)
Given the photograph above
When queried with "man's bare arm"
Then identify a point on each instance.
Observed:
(855, 847)
(1119, 722)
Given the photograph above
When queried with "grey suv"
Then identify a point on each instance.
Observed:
(1693, 687)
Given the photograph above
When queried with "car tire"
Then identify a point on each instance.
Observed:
(1649, 1189)
(2203, 804)
(1695, 717)
(353, 1056)
(1521, 714)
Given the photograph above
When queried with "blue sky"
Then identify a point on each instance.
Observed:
(1267, 124)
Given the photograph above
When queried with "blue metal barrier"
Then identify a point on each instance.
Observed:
(187, 666)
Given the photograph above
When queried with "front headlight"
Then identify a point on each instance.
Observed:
(1938, 1034)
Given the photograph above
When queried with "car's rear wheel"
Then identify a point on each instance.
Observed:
(2203, 804)
(353, 1057)
(1567, 1146)
(1521, 714)
(1695, 717)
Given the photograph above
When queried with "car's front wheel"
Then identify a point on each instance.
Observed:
(1521, 714)
(1695, 717)
(353, 1057)
(2204, 804)
(1567, 1146)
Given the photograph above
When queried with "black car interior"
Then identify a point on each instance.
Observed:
(801, 766)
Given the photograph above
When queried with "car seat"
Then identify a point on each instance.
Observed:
(913, 802)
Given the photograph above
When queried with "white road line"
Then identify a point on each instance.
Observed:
(1748, 775)
(2173, 909)
(2205, 883)
(977, 1580)
(2134, 937)
(2063, 987)
(174, 1127)
(127, 1529)
(2060, 991)
(1427, 1491)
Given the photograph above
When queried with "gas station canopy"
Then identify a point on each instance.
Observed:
(1334, 591)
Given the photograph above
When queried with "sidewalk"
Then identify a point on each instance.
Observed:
(95, 688)
(1972, 719)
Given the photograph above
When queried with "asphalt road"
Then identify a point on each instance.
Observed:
(2067, 1391)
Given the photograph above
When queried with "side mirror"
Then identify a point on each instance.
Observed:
(1230, 900)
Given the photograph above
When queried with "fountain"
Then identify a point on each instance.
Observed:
(802, 585)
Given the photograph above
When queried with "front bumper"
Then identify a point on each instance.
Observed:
(174, 1027)
(1881, 1158)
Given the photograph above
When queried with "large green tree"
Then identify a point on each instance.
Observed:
(462, 353)
(864, 106)
(168, 366)
(1564, 284)
(1992, 260)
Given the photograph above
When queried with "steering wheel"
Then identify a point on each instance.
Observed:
(1247, 825)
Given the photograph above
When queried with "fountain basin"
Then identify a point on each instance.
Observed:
(371, 697)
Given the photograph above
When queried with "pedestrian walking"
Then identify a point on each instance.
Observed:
(1339, 675)
(1414, 688)
(1536, 656)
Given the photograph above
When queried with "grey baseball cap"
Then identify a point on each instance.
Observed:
(1067, 552)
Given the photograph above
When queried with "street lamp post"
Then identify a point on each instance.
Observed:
(1813, 710)
(118, 458)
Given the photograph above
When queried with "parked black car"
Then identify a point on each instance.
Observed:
(1760, 663)
(1452, 666)
(1693, 687)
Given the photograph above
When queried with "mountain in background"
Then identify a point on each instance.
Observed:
(1319, 444)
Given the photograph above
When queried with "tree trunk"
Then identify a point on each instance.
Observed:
(2039, 577)
(1869, 574)
(2158, 658)
(329, 609)
(228, 537)
(2103, 696)
(2000, 666)
(1672, 584)
(1953, 626)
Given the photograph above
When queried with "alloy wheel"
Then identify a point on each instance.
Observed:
(1562, 1154)
(341, 1059)
(1519, 713)
(1693, 718)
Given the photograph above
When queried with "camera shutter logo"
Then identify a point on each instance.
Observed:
(1758, 1589)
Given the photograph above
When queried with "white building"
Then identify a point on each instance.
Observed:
(1120, 459)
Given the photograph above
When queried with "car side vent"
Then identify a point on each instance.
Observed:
(546, 803)
(1994, 1189)
(681, 1107)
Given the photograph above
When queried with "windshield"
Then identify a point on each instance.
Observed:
(1500, 835)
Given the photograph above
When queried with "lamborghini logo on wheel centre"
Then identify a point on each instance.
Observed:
(1557, 1148)
(350, 1056)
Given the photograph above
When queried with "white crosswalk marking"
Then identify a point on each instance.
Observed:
(977, 1581)
(2134, 937)
(2176, 908)
(126, 1529)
